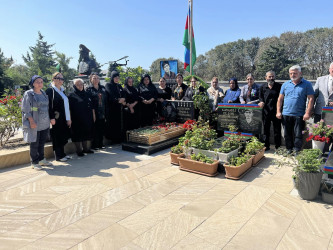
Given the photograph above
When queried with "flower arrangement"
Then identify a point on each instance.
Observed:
(177, 149)
(320, 132)
(188, 125)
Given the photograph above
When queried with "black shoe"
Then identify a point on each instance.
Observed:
(88, 151)
(80, 154)
(95, 148)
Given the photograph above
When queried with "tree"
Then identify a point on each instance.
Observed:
(275, 58)
(5, 81)
(67, 72)
(19, 74)
(155, 70)
(40, 59)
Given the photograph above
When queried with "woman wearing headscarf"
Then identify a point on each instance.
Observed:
(82, 118)
(233, 93)
(59, 111)
(192, 90)
(163, 94)
(148, 96)
(36, 121)
(97, 94)
(179, 89)
(132, 112)
(115, 102)
(250, 92)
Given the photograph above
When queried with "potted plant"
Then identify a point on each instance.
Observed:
(308, 173)
(200, 164)
(176, 151)
(238, 166)
(229, 148)
(256, 148)
(320, 134)
(327, 192)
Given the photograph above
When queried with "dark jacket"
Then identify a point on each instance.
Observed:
(98, 99)
(190, 92)
(80, 106)
(178, 92)
(269, 97)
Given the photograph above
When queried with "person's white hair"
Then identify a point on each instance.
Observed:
(78, 80)
(331, 65)
(295, 67)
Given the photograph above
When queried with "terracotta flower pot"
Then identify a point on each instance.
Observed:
(258, 157)
(235, 172)
(174, 158)
(198, 167)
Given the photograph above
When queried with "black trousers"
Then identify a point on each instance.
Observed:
(79, 148)
(37, 148)
(293, 127)
(99, 127)
(59, 152)
(267, 120)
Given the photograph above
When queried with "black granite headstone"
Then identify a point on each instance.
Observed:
(184, 110)
(246, 117)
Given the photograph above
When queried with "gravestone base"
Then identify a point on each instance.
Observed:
(148, 149)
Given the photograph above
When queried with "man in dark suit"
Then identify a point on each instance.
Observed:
(323, 93)
(268, 96)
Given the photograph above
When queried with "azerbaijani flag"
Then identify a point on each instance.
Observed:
(186, 43)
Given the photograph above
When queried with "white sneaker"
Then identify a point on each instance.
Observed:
(45, 163)
(68, 157)
(63, 159)
(36, 166)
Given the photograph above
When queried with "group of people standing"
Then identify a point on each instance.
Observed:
(90, 114)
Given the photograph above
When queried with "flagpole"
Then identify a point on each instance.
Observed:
(191, 30)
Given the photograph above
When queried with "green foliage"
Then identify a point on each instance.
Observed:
(254, 146)
(309, 160)
(200, 82)
(201, 137)
(40, 60)
(66, 71)
(19, 74)
(239, 160)
(5, 80)
(135, 73)
(10, 116)
(202, 158)
(201, 102)
(275, 58)
(230, 144)
(178, 149)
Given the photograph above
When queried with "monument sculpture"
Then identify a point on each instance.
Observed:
(86, 64)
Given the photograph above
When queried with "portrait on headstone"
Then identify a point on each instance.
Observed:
(169, 70)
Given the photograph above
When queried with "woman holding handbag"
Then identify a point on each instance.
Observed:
(36, 121)
(59, 111)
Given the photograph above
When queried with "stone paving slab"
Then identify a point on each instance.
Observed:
(120, 200)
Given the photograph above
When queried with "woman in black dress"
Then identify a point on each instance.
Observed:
(148, 95)
(179, 89)
(163, 94)
(97, 93)
(115, 102)
(192, 90)
(82, 118)
(59, 110)
(132, 112)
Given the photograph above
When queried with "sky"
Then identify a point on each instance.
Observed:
(145, 30)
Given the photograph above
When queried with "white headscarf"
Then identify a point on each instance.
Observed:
(64, 97)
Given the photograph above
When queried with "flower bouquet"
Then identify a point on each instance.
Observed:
(320, 134)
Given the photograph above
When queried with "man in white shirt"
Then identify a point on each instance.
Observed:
(323, 93)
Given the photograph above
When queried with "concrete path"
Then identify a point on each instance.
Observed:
(120, 200)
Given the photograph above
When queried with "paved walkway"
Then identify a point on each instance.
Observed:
(120, 200)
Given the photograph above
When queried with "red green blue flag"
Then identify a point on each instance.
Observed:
(186, 43)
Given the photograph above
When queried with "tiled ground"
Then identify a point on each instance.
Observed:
(120, 200)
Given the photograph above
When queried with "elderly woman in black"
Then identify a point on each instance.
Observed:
(132, 112)
(82, 118)
(163, 94)
(97, 94)
(59, 110)
(148, 95)
(115, 102)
